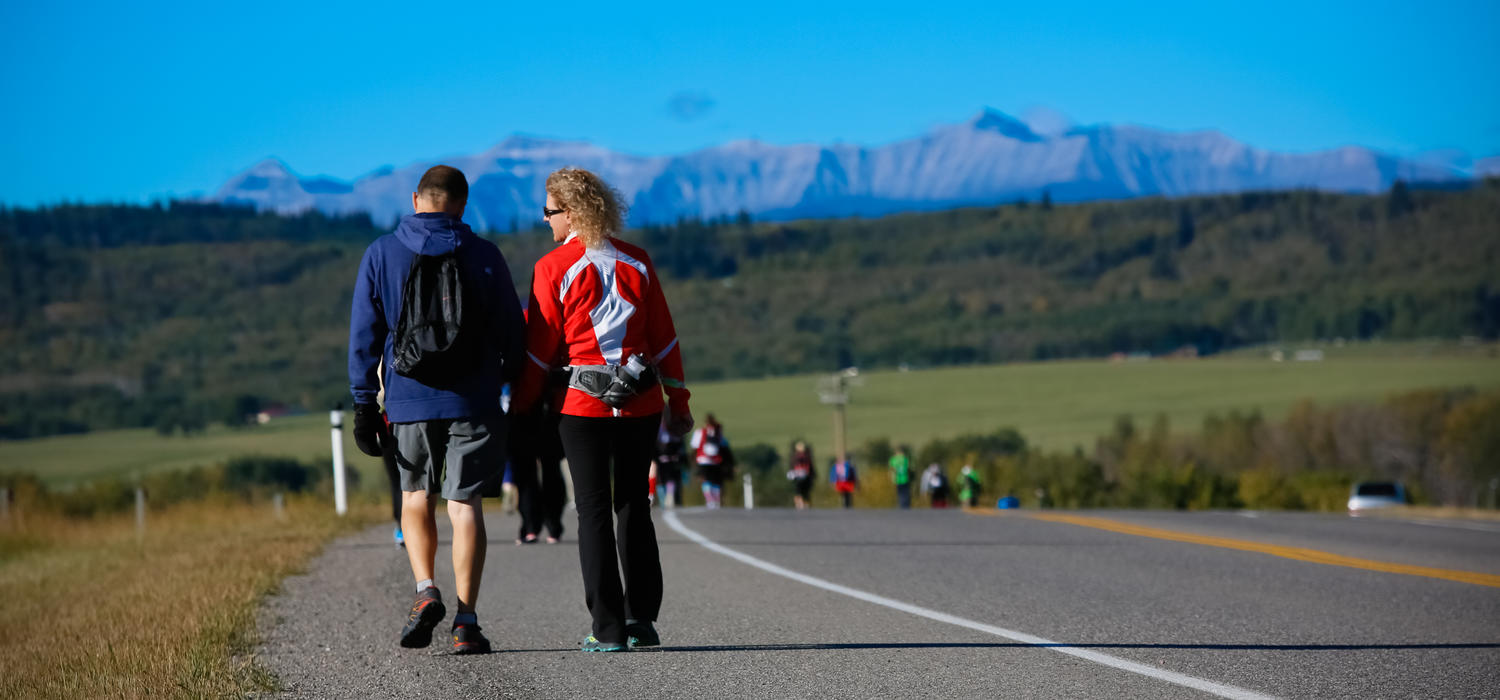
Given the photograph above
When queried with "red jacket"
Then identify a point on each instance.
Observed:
(595, 307)
(709, 445)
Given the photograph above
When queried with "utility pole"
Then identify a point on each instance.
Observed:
(840, 448)
(834, 389)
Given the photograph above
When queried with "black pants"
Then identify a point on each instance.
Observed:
(540, 496)
(593, 446)
(903, 494)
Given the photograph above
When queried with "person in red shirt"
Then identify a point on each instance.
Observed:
(598, 315)
(715, 461)
(802, 474)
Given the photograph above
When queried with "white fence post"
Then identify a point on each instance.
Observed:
(278, 506)
(140, 514)
(340, 496)
(749, 494)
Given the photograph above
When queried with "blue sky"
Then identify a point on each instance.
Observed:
(108, 101)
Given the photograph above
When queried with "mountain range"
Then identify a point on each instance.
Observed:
(988, 159)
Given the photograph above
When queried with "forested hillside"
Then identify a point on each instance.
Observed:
(182, 314)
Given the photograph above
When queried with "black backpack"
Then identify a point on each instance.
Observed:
(441, 330)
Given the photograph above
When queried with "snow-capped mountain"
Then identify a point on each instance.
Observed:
(988, 159)
(1487, 167)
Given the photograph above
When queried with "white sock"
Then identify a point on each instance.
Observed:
(424, 584)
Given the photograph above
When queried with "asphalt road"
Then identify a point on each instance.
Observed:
(842, 604)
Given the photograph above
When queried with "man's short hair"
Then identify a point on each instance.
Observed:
(444, 185)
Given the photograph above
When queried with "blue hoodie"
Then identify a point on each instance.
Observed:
(377, 305)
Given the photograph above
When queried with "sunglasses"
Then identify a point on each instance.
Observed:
(549, 213)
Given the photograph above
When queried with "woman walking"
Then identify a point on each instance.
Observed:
(802, 474)
(715, 462)
(597, 316)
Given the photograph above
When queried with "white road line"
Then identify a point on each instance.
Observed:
(1220, 689)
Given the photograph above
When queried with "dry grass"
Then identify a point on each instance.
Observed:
(92, 611)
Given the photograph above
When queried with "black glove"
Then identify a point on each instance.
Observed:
(369, 425)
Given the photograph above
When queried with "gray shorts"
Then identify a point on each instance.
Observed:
(466, 454)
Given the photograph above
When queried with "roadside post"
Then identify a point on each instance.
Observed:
(278, 506)
(340, 496)
(140, 515)
(749, 494)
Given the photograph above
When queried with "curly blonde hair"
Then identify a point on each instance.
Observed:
(595, 209)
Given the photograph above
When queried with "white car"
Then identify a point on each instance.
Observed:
(1369, 495)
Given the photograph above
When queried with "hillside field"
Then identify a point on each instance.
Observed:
(1056, 405)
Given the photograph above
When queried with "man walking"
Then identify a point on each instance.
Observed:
(435, 303)
(901, 476)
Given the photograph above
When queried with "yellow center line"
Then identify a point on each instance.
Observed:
(1297, 553)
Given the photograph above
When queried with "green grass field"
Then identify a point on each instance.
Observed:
(1056, 405)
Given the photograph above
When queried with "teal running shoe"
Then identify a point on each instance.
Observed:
(398, 537)
(593, 644)
(642, 634)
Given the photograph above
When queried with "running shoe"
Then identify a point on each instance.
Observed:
(468, 639)
(642, 634)
(397, 536)
(593, 644)
(426, 611)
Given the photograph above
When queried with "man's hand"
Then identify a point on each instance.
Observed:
(369, 425)
(679, 425)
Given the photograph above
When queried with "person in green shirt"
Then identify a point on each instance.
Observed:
(901, 475)
(970, 486)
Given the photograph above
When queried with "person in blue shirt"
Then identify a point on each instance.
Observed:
(844, 479)
(450, 440)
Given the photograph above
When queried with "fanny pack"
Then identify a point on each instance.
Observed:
(615, 385)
